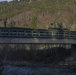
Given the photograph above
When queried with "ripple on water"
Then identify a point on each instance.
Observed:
(13, 70)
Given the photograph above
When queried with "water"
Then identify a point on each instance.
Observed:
(36, 70)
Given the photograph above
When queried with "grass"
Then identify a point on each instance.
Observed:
(13, 8)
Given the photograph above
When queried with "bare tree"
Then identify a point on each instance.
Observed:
(5, 22)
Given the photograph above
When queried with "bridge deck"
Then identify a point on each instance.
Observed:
(5, 40)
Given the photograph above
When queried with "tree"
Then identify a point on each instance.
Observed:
(5, 22)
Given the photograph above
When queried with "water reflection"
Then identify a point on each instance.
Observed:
(36, 70)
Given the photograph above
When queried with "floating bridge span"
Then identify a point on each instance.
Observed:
(32, 40)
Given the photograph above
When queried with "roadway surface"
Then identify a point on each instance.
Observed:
(8, 40)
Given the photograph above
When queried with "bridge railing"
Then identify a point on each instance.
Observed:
(31, 33)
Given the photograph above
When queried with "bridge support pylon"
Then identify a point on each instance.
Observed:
(73, 50)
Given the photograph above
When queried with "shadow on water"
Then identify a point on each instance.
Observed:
(12, 70)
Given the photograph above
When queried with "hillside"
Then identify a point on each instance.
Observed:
(38, 14)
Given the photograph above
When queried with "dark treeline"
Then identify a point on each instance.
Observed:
(21, 53)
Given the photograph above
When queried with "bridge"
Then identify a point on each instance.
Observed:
(37, 36)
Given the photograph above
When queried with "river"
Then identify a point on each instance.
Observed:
(35, 70)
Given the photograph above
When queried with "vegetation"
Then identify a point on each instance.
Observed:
(34, 22)
(11, 9)
(12, 24)
(20, 52)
